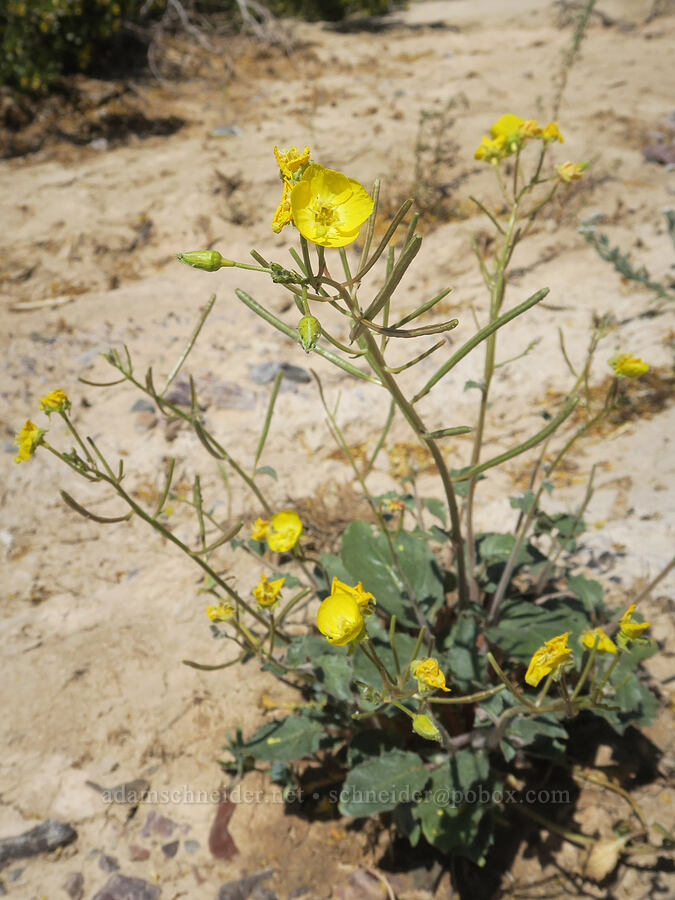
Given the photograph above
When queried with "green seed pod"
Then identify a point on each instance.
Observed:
(208, 260)
(309, 331)
(425, 728)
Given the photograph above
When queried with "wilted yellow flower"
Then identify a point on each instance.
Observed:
(491, 151)
(284, 530)
(55, 401)
(423, 725)
(339, 619)
(547, 658)
(27, 441)
(428, 674)
(259, 530)
(604, 645)
(508, 127)
(291, 161)
(628, 627)
(570, 171)
(328, 208)
(266, 592)
(221, 612)
(357, 593)
(552, 133)
(530, 128)
(627, 364)
(283, 214)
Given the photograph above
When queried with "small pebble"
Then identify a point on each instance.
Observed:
(143, 405)
(191, 846)
(170, 849)
(121, 887)
(74, 886)
(108, 863)
(14, 875)
(137, 853)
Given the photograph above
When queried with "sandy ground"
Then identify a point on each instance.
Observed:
(95, 620)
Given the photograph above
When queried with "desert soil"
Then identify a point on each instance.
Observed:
(97, 618)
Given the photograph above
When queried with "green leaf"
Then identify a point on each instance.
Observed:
(334, 569)
(474, 384)
(306, 647)
(367, 558)
(543, 735)
(464, 664)
(335, 674)
(523, 500)
(286, 739)
(523, 627)
(382, 783)
(266, 470)
(437, 508)
(588, 591)
(462, 487)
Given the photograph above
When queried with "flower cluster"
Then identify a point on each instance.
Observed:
(30, 436)
(281, 532)
(509, 133)
(326, 207)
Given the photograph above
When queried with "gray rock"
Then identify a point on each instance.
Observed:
(226, 130)
(44, 837)
(14, 875)
(262, 373)
(74, 886)
(158, 824)
(263, 893)
(229, 395)
(243, 888)
(121, 887)
(108, 863)
(191, 846)
(143, 405)
(170, 849)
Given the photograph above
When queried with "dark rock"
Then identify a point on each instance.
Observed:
(243, 888)
(121, 887)
(108, 863)
(263, 893)
(180, 394)
(158, 824)
(74, 886)
(301, 891)
(266, 372)
(170, 849)
(143, 405)
(136, 853)
(44, 837)
(221, 843)
(660, 153)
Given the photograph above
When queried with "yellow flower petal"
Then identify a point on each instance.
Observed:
(507, 126)
(627, 364)
(628, 627)
(604, 644)
(27, 441)
(357, 593)
(552, 133)
(55, 401)
(291, 160)
(428, 674)
(530, 128)
(285, 528)
(551, 656)
(328, 208)
(570, 171)
(259, 530)
(267, 592)
(491, 150)
(283, 214)
(221, 612)
(339, 619)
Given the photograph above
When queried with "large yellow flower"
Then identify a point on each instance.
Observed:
(428, 674)
(509, 128)
(267, 592)
(284, 530)
(339, 619)
(55, 401)
(328, 208)
(27, 441)
(627, 364)
(551, 656)
(604, 644)
(357, 593)
(628, 627)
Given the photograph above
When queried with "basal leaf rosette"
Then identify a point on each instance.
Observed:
(329, 208)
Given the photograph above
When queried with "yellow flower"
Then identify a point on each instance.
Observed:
(55, 401)
(266, 592)
(283, 214)
(508, 127)
(27, 441)
(629, 629)
(328, 208)
(570, 171)
(428, 674)
(285, 528)
(547, 658)
(425, 728)
(627, 364)
(604, 645)
(339, 619)
(491, 151)
(259, 530)
(221, 612)
(552, 133)
(530, 128)
(357, 593)
(291, 161)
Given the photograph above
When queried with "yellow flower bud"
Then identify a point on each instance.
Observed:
(284, 530)
(552, 133)
(629, 629)
(339, 619)
(423, 725)
(55, 401)
(629, 365)
(569, 171)
(309, 331)
(428, 674)
(27, 440)
(208, 260)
